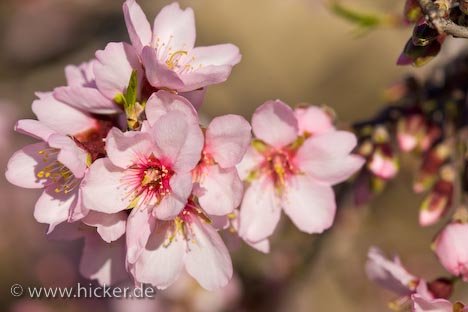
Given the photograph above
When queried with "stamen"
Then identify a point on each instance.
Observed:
(173, 60)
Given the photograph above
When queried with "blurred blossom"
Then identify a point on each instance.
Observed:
(439, 200)
(422, 304)
(451, 247)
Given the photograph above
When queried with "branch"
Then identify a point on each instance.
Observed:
(440, 22)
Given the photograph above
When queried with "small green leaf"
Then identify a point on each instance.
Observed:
(131, 94)
(363, 20)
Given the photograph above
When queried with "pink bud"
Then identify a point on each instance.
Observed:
(451, 247)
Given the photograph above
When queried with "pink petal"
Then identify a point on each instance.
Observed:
(79, 211)
(274, 122)
(157, 72)
(249, 162)
(163, 102)
(179, 140)
(451, 248)
(220, 190)
(139, 29)
(326, 157)
(34, 128)
(65, 119)
(102, 261)
(310, 205)
(174, 28)
(421, 304)
(208, 259)
(114, 68)
(110, 226)
(53, 208)
(23, 166)
(173, 203)
(262, 246)
(211, 65)
(227, 139)
(195, 97)
(260, 211)
(313, 120)
(203, 77)
(75, 74)
(217, 55)
(388, 274)
(103, 189)
(140, 225)
(161, 261)
(86, 99)
(127, 148)
(72, 156)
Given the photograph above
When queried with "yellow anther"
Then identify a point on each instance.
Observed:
(173, 60)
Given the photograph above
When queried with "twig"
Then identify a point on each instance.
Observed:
(440, 22)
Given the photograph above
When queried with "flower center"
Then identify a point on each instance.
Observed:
(55, 172)
(150, 181)
(181, 225)
(92, 140)
(174, 58)
(278, 165)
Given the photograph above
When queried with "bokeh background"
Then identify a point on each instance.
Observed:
(294, 50)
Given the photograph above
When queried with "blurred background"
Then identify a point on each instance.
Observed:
(294, 50)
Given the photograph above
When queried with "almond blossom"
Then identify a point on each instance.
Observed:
(84, 93)
(393, 276)
(422, 304)
(146, 170)
(289, 171)
(167, 50)
(214, 191)
(189, 241)
(71, 141)
(451, 247)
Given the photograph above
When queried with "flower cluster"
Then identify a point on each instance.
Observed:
(426, 121)
(124, 162)
(414, 292)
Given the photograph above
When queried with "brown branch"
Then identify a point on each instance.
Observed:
(444, 25)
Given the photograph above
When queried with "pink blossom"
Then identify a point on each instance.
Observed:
(289, 171)
(218, 186)
(82, 91)
(70, 142)
(148, 170)
(451, 246)
(423, 304)
(313, 120)
(390, 274)
(393, 276)
(168, 53)
(189, 241)
(113, 69)
(383, 163)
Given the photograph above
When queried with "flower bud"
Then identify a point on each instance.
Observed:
(423, 35)
(441, 287)
(410, 130)
(432, 162)
(451, 247)
(439, 199)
